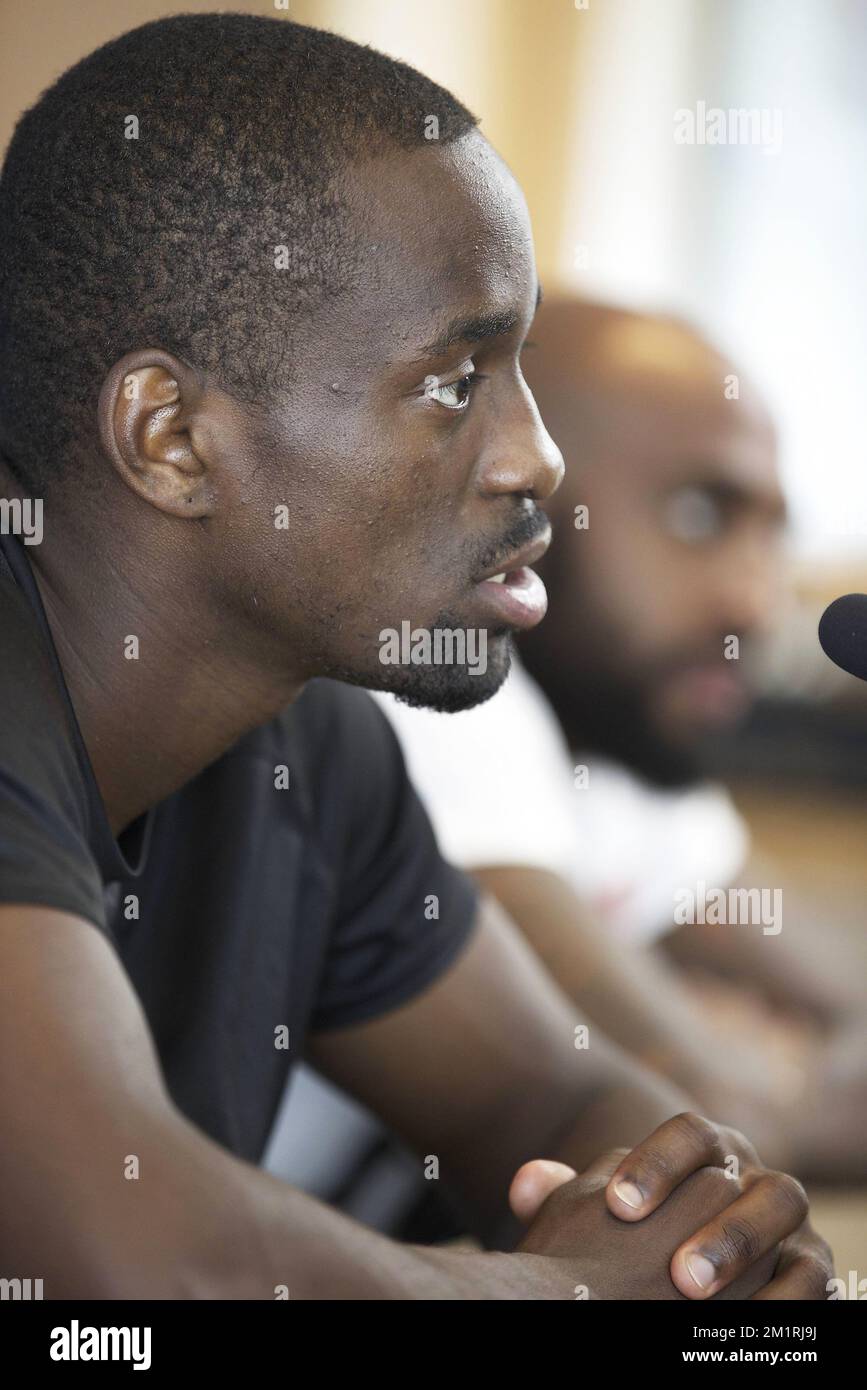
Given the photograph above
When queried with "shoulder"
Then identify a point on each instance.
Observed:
(342, 757)
(45, 854)
(346, 746)
(331, 711)
(29, 693)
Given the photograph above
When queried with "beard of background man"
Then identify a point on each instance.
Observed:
(678, 550)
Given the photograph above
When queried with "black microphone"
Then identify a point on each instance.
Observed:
(843, 634)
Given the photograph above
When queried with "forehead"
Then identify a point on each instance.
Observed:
(444, 232)
(660, 411)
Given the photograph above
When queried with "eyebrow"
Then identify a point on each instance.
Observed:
(475, 328)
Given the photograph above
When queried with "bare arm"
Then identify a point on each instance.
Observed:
(83, 1097)
(638, 1000)
(107, 1191)
(482, 1073)
(809, 1120)
(798, 968)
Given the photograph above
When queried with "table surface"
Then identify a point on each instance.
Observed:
(821, 839)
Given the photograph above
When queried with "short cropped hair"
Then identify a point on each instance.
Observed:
(112, 243)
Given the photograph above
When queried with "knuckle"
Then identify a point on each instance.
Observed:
(826, 1257)
(819, 1254)
(790, 1193)
(714, 1185)
(736, 1142)
(739, 1242)
(741, 1140)
(696, 1129)
(815, 1274)
(654, 1163)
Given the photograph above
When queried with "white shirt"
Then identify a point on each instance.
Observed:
(500, 787)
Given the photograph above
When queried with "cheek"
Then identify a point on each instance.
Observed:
(656, 578)
(624, 578)
(385, 509)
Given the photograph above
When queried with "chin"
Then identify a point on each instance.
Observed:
(449, 688)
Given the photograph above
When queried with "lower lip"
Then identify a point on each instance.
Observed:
(520, 602)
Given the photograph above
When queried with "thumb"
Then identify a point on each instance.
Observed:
(533, 1183)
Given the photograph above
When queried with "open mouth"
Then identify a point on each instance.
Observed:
(515, 597)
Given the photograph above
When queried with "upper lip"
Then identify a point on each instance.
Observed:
(528, 556)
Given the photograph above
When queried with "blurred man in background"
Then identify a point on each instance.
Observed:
(674, 457)
(664, 578)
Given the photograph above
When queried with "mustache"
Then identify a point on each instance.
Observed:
(528, 527)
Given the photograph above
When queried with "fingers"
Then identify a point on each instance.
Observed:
(677, 1148)
(599, 1172)
(804, 1271)
(773, 1206)
(533, 1184)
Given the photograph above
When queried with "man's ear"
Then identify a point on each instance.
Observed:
(146, 409)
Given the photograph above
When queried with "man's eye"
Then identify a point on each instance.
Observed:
(693, 515)
(454, 395)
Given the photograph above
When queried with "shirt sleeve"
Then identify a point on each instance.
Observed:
(403, 912)
(45, 858)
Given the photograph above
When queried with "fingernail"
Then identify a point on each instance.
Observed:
(629, 1193)
(701, 1269)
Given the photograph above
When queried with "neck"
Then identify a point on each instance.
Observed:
(152, 721)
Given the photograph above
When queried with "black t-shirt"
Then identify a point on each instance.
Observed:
(259, 907)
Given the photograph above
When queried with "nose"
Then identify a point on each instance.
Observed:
(752, 583)
(523, 457)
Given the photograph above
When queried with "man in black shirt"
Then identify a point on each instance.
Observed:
(301, 893)
(274, 408)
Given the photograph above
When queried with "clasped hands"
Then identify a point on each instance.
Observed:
(690, 1213)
